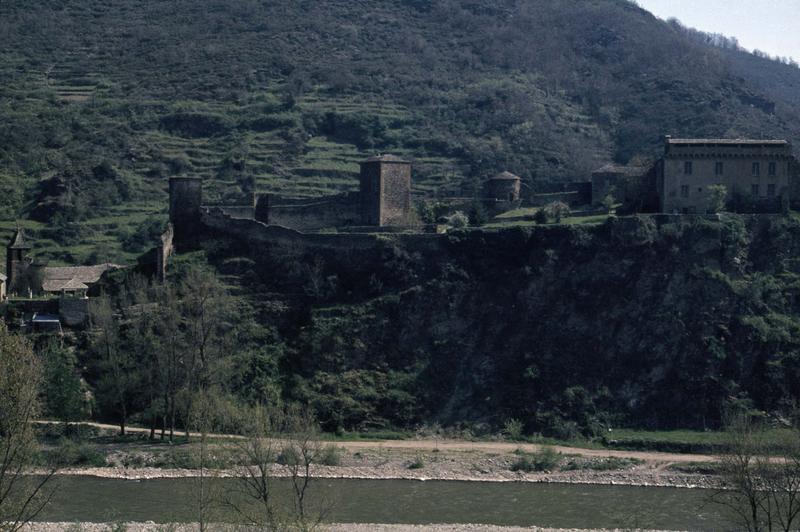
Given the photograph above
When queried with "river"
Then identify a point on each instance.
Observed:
(93, 499)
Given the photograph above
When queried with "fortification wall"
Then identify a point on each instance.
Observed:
(235, 211)
(312, 215)
(291, 241)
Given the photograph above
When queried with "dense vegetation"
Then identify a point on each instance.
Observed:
(102, 101)
(562, 330)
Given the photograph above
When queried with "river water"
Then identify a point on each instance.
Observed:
(400, 501)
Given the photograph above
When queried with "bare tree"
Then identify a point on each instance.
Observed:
(762, 480)
(21, 497)
(289, 436)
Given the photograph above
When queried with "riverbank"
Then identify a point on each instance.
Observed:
(455, 462)
(339, 527)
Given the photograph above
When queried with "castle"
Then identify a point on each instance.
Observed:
(383, 201)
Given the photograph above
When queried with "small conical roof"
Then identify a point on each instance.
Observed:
(18, 240)
(505, 176)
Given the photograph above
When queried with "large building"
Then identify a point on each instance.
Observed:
(755, 174)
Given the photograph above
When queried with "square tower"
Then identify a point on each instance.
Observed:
(385, 191)
(17, 262)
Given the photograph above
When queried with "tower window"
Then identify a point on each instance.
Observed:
(718, 168)
(773, 168)
(684, 191)
(756, 169)
(771, 191)
(687, 167)
(754, 190)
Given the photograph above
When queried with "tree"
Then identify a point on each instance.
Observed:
(289, 436)
(717, 195)
(556, 210)
(117, 367)
(21, 497)
(608, 202)
(206, 309)
(458, 220)
(762, 481)
(64, 393)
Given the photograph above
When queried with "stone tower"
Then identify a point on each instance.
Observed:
(185, 201)
(504, 186)
(385, 191)
(17, 261)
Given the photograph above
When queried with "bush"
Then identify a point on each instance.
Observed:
(556, 210)
(458, 220)
(513, 429)
(544, 460)
(72, 453)
(418, 463)
(330, 456)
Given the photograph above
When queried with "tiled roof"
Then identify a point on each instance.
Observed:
(57, 279)
(505, 176)
(620, 169)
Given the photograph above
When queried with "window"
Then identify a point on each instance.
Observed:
(773, 169)
(771, 191)
(754, 190)
(687, 168)
(756, 169)
(685, 190)
(718, 168)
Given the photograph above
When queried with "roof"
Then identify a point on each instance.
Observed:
(18, 240)
(612, 168)
(505, 176)
(387, 159)
(734, 142)
(57, 279)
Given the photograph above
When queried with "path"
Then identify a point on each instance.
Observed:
(468, 446)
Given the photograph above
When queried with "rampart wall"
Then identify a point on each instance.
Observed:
(310, 214)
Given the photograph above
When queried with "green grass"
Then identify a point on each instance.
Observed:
(683, 441)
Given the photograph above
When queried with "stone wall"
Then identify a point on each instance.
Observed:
(73, 311)
(292, 242)
(309, 214)
(163, 252)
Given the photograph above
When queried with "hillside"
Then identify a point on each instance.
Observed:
(102, 101)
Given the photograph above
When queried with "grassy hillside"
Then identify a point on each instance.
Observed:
(102, 101)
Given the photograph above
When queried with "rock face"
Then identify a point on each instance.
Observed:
(658, 321)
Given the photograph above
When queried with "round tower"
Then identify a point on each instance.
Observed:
(503, 187)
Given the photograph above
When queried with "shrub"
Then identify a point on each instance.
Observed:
(330, 456)
(513, 429)
(544, 460)
(557, 210)
(540, 217)
(72, 453)
(418, 463)
(458, 220)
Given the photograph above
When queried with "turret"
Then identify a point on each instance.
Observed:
(185, 201)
